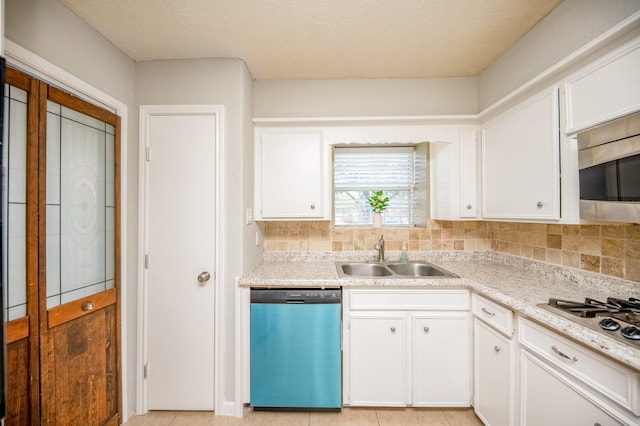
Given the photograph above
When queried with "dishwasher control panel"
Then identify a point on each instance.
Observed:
(333, 295)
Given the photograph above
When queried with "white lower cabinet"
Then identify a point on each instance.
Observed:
(494, 384)
(441, 359)
(493, 362)
(550, 398)
(399, 355)
(563, 383)
(378, 368)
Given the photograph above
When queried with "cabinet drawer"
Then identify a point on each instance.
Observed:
(394, 299)
(497, 316)
(618, 383)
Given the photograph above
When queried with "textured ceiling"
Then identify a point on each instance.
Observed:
(320, 39)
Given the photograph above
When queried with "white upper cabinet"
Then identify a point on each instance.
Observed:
(454, 177)
(520, 161)
(605, 89)
(291, 175)
(468, 160)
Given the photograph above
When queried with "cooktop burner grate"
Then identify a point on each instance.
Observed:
(618, 318)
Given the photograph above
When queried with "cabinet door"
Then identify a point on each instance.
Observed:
(441, 360)
(378, 360)
(549, 398)
(290, 180)
(494, 384)
(604, 90)
(468, 174)
(520, 161)
(454, 178)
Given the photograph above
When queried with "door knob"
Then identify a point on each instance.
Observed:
(204, 277)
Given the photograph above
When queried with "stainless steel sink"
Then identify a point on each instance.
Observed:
(414, 269)
(418, 270)
(365, 270)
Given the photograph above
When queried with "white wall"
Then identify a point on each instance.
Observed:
(53, 32)
(571, 25)
(217, 82)
(2, 27)
(373, 97)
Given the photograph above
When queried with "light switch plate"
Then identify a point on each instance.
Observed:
(249, 220)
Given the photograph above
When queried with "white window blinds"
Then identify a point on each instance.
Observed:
(358, 172)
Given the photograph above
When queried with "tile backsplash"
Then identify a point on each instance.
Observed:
(608, 249)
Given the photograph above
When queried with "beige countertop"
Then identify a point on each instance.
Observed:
(515, 282)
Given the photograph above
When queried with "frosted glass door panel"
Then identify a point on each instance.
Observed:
(14, 201)
(80, 205)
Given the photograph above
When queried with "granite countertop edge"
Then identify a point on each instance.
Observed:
(515, 282)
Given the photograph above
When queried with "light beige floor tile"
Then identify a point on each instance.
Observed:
(153, 418)
(462, 417)
(198, 418)
(346, 417)
(410, 416)
(269, 418)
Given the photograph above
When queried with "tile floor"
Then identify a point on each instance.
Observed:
(348, 416)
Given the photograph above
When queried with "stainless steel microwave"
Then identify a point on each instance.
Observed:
(609, 167)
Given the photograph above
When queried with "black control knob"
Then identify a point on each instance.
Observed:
(631, 332)
(609, 324)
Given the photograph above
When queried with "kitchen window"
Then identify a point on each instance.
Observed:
(360, 171)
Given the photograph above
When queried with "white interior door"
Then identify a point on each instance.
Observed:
(180, 244)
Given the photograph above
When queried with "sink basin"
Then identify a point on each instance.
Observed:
(392, 270)
(365, 270)
(419, 270)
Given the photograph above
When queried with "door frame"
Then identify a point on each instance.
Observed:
(23, 59)
(146, 112)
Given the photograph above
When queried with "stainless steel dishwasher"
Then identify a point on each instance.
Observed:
(296, 349)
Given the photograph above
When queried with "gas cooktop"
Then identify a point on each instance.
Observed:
(617, 318)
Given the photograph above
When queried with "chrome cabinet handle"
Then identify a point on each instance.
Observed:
(426, 329)
(563, 355)
(491, 314)
(496, 348)
(204, 277)
(393, 329)
(540, 204)
(313, 206)
(468, 206)
(87, 306)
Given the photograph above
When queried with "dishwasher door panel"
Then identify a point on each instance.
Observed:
(296, 355)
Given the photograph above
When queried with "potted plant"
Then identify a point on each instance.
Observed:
(378, 203)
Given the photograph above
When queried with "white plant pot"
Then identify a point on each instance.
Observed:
(377, 220)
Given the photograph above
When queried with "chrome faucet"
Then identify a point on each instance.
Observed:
(380, 247)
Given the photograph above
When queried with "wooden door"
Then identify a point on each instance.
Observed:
(20, 247)
(64, 327)
(79, 259)
(181, 258)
